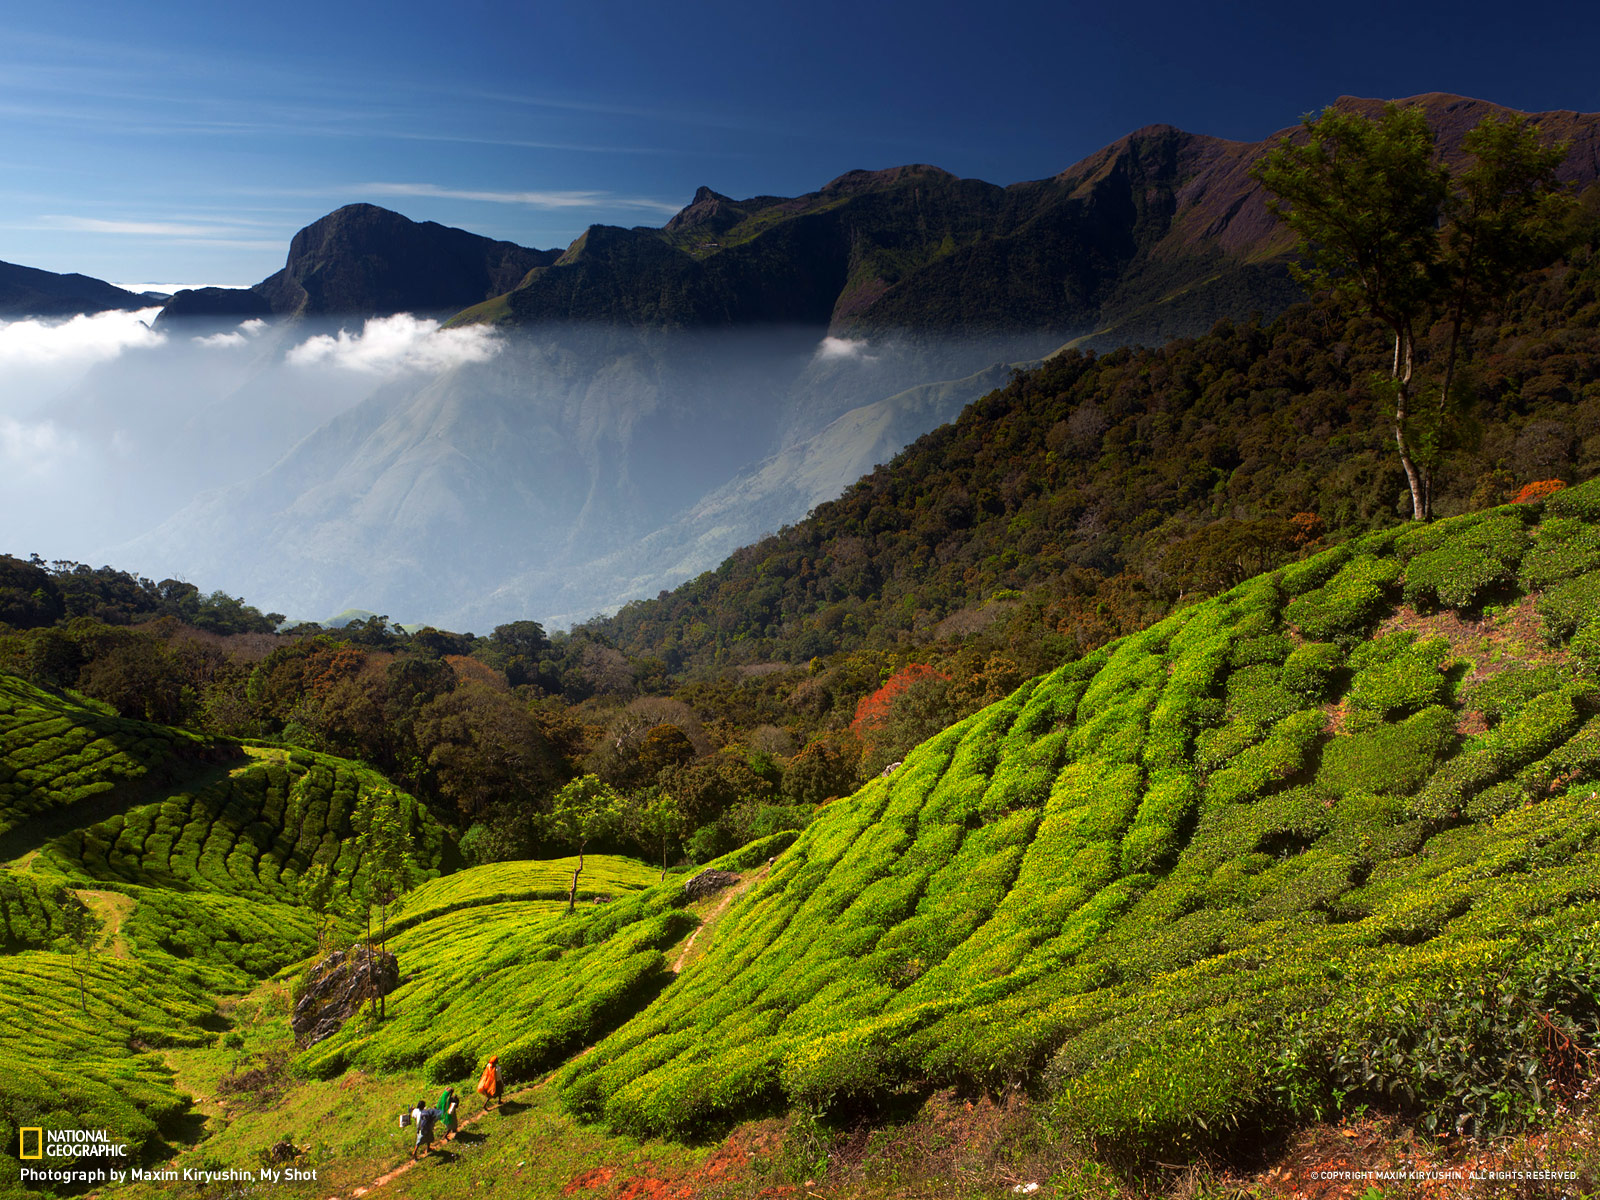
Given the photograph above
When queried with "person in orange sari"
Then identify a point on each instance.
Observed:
(489, 1085)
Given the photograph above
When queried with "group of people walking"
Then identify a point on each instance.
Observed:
(427, 1119)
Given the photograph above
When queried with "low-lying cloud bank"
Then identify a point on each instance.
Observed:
(109, 423)
(79, 342)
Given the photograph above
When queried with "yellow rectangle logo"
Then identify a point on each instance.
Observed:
(38, 1142)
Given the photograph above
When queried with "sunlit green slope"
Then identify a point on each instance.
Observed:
(1236, 869)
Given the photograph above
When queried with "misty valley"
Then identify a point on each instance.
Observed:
(459, 477)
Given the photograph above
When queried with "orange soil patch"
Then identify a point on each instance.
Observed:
(725, 1168)
(598, 1177)
(1516, 633)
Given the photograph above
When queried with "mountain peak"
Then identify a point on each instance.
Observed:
(361, 258)
(708, 208)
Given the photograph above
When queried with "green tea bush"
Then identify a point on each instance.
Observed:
(1471, 558)
(1570, 607)
(1581, 503)
(1564, 548)
(1348, 603)
(1297, 579)
(1410, 678)
(1534, 732)
(1389, 759)
(1310, 669)
(1281, 755)
(251, 833)
(1507, 692)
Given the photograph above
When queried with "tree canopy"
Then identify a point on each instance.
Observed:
(1386, 226)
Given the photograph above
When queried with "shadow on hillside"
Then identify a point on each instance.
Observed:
(178, 773)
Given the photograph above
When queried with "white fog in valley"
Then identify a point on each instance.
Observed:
(456, 476)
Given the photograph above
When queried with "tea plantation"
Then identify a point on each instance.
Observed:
(1318, 842)
(197, 847)
(1331, 839)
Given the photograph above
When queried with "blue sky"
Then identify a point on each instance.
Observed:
(181, 142)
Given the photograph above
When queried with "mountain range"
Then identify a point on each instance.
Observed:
(662, 396)
(30, 292)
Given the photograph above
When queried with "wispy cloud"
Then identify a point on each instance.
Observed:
(836, 347)
(142, 228)
(567, 199)
(172, 231)
(389, 345)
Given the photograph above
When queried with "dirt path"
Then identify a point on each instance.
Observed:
(462, 1123)
(112, 908)
(711, 918)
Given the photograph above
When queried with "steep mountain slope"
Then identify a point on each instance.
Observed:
(1155, 236)
(362, 260)
(30, 292)
(1202, 874)
(1105, 486)
(527, 483)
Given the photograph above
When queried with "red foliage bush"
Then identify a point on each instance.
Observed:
(1537, 491)
(873, 710)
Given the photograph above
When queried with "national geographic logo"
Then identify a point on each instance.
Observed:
(35, 1143)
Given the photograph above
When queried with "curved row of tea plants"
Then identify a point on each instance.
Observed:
(197, 865)
(253, 832)
(603, 877)
(520, 977)
(62, 1067)
(57, 752)
(1123, 877)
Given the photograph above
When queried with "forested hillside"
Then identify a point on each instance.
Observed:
(1106, 486)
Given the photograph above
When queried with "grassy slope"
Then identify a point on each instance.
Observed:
(1137, 870)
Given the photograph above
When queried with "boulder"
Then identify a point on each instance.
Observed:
(337, 987)
(708, 882)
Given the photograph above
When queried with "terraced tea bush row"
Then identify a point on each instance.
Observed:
(1459, 564)
(246, 937)
(252, 833)
(604, 875)
(29, 916)
(63, 1068)
(55, 752)
(1125, 870)
(520, 978)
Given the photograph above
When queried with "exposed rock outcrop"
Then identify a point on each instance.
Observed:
(708, 883)
(338, 986)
